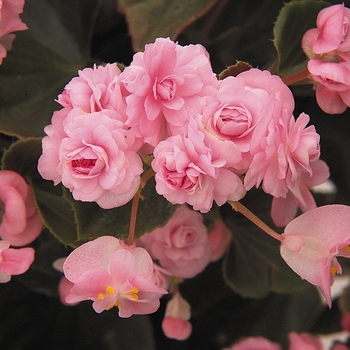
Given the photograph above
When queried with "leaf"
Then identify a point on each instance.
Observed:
(149, 19)
(93, 221)
(55, 211)
(293, 21)
(253, 266)
(42, 61)
(235, 69)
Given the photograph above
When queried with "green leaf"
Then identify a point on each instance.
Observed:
(253, 266)
(93, 221)
(235, 69)
(55, 211)
(149, 19)
(42, 61)
(293, 21)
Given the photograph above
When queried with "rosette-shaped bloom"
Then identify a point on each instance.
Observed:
(14, 261)
(110, 273)
(94, 90)
(9, 23)
(285, 153)
(283, 210)
(20, 222)
(312, 241)
(255, 343)
(175, 324)
(181, 246)
(96, 159)
(189, 171)
(165, 83)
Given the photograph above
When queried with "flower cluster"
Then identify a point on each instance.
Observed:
(9, 23)
(328, 48)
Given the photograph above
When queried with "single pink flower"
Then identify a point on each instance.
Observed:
(96, 158)
(304, 341)
(166, 84)
(175, 324)
(110, 273)
(219, 238)
(181, 246)
(255, 343)
(312, 241)
(285, 153)
(14, 261)
(189, 171)
(21, 223)
(9, 23)
(284, 209)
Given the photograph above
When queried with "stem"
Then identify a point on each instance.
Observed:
(296, 77)
(237, 206)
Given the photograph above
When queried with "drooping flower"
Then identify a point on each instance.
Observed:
(165, 85)
(255, 343)
(312, 241)
(9, 22)
(20, 223)
(182, 245)
(284, 209)
(14, 261)
(175, 324)
(110, 273)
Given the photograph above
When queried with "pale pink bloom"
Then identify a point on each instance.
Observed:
(332, 32)
(175, 324)
(285, 152)
(181, 246)
(312, 241)
(96, 158)
(64, 287)
(9, 23)
(14, 261)
(20, 223)
(166, 84)
(304, 341)
(189, 171)
(110, 273)
(283, 210)
(333, 84)
(255, 343)
(94, 90)
(219, 238)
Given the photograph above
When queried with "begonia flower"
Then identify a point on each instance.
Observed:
(175, 323)
(166, 84)
(20, 223)
(284, 209)
(9, 23)
(304, 341)
(110, 273)
(181, 246)
(219, 238)
(285, 153)
(312, 241)
(96, 158)
(189, 171)
(14, 261)
(255, 343)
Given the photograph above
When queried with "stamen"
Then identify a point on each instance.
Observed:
(334, 271)
(109, 290)
(100, 296)
(133, 293)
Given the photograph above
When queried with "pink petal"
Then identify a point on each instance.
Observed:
(16, 261)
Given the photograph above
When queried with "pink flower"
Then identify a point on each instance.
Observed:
(255, 343)
(312, 241)
(219, 238)
(175, 324)
(64, 287)
(165, 83)
(21, 223)
(9, 23)
(14, 261)
(333, 84)
(285, 153)
(181, 246)
(189, 171)
(283, 210)
(96, 159)
(94, 90)
(304, 341)
(110, 273)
